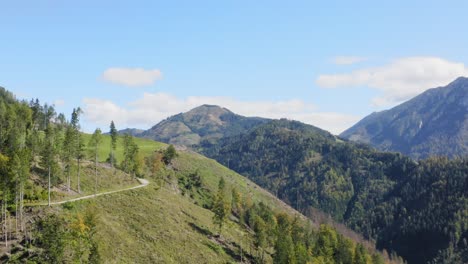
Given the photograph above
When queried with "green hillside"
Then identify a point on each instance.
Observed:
(167, 223)
(145, 146)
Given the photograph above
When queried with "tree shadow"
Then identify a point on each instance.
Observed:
(201, 230)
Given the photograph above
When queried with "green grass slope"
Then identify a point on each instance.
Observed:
(145, 146)
(163, 222)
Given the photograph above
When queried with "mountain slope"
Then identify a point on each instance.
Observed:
(167, 222)
(384, 196)
(433, 123)
(204, 124)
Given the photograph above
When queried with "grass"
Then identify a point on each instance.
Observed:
(158, 224)
(162, 223)
(145, 146)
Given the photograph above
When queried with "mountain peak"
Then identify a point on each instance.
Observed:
(432, 123)
(205, 123)
(460, 79)
(208, 109)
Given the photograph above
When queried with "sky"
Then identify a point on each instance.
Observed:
(325, 63)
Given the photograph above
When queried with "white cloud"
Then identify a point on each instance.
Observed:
(399, 80)
(154, 107)
(132, 76)
(348, 60)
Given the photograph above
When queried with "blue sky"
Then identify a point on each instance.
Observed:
(327, 63)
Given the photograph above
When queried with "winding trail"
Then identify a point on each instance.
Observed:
(143, 183)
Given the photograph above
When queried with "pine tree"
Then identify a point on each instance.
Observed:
(77, 146)
(220, 206)
(169, 154)
(49, 156)
(127, 152)
(113, 135)
(68, 153)
(284, 246)
(94, 142)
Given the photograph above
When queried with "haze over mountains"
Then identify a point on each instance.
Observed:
(432, 123)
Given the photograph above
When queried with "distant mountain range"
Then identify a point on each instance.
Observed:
(434, 123)
(205, 124)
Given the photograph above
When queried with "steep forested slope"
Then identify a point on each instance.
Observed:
(434, 123)
(373, 192)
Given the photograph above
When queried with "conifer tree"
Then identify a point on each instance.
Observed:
(48, 156)
(113, 135)
(94, 142)
(220, 206)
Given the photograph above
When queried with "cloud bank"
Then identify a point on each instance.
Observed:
(154, 107)
(132, 77)
(399, 80)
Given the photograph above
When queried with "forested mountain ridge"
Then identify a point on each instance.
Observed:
(203, 124)
(434, 123)
(192, 203)
(385, 196)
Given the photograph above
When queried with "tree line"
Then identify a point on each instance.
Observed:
(35, 140)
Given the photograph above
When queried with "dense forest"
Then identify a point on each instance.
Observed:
(417, 209)
(277, 235)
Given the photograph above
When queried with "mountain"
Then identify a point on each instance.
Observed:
(131, 131)
(205, 124)
(434, 123)
(387, 197)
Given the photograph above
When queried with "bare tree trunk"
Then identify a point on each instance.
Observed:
(21, 206)
(6, 224)
(3, 222)
(79, 188)
(49, 187)
(68, 177)
(95, 173)
(112, 158)
(240, 247)
(16, 206)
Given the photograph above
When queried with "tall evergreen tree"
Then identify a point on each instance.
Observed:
(284, 246)
(49, 156)
(113, 135)
(220, 206)
(94, 142)
(78, 143)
